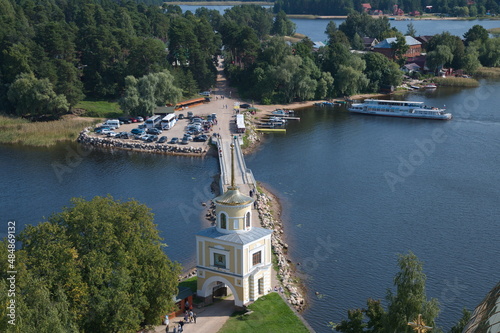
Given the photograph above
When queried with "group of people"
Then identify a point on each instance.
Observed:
(189, 317)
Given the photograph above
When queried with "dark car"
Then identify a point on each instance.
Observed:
(185, 141)
(200, 138)
(174, 140)
(162, 139)
(154, 131)
(124, 120)
(180, 116)
(137, 131)
(190, 115)
(152, 138)
(244, 106)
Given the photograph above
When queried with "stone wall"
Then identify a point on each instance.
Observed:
(105, 142)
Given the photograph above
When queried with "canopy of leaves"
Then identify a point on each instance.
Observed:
(98, 266)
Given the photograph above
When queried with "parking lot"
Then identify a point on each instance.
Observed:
(177, 131)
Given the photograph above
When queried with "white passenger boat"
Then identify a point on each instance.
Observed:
(406, 109)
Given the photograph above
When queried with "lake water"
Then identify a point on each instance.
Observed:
(315, 29)
(356, 191)
(347, 218)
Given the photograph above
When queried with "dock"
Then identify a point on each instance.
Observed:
(275, 130)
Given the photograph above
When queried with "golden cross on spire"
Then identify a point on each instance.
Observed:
(419, 325)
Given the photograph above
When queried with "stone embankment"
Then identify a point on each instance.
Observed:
(104, 142)
(285, 271)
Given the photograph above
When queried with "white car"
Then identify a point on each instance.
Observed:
(205, 93)
(107, 131)
(112, 134)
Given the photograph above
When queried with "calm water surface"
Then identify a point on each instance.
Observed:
(315, 29)
(347, 222)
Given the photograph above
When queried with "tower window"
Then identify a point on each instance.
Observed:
(261, 285)
(248, 220)
(223, 221)
(257, 258)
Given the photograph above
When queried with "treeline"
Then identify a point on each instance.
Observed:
(53, 53)
(344, 7)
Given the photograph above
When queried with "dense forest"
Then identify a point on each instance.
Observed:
(54, 53)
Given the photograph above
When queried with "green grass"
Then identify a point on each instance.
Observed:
(456, 82)
(191, 283)
(488, 72)
(270, 314)
(100, 109)
(41, 134)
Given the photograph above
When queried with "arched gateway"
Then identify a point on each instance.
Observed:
(233, 253)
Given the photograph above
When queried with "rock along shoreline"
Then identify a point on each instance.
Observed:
(111, 143)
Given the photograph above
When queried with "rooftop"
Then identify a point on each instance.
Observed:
(244, 238)
(386, 43)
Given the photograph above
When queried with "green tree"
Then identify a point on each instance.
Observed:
(489, 53)
(440, 56)
(98, 266)
(464, 320)
(282, 25)
(350, 81)
(409, 299)
(476, 33)
(411, 30)
(354, 323)
(399, 48)
(35, 98)
(129, 102)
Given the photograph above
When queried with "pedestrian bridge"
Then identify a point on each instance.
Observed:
(243, 177)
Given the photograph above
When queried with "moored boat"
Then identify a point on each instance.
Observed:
(430, 86)
(406, 109)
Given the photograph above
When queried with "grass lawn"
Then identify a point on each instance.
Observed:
(191, 283)
(270, 314)
(43, 133)
(99, 109)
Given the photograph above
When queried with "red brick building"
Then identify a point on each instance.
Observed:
(385, 47)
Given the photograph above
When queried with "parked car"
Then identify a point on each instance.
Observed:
(122, 135)
(244, 106)
(188, 136)
(124, 120)
(111, 134)
(205, 93)
(180, 116)
(154, 131)
(132, 120)
(106, 131)
(139, 119)
(184, 141)
(138, 131)
(100, 128)
(190, 114)
(152, 138)
(162, 139)
(174, 141)
(201, 138)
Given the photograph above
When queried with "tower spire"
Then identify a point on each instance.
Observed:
(232, 166)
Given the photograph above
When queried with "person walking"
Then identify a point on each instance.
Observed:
(167, 323)
(194, 317)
